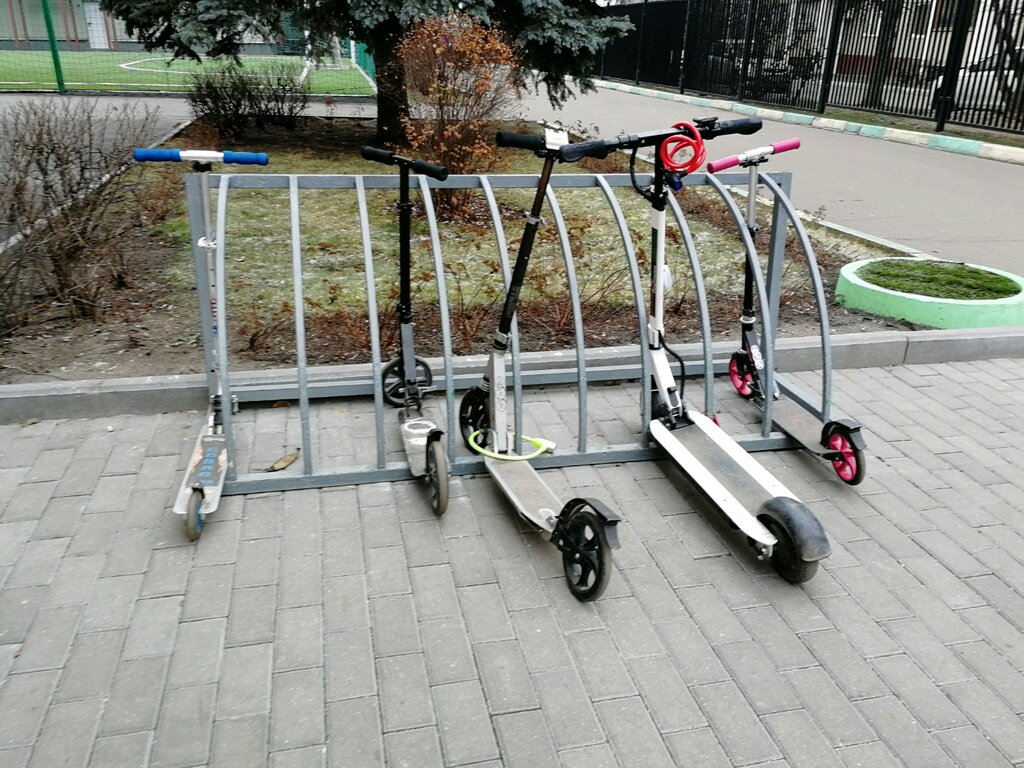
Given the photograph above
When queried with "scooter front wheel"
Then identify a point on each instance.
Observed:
(194, 516)
(740, 375)
(850, 465)
(586, 556)
(474, 417)
(437, 477)
(392, 380)
(802, 541)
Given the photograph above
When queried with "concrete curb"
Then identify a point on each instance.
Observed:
(969, 147)
(98, 398)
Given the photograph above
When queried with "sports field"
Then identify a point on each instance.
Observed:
(142, 71)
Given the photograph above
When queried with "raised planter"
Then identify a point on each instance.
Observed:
(854, 292)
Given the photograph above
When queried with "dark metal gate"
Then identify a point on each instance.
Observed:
(959, 61)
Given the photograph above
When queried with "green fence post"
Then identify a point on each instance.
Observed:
(53, 47)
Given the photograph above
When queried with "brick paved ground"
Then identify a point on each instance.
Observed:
(348, 627)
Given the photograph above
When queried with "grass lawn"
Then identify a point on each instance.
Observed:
(142, 71)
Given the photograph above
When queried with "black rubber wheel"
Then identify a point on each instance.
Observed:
(392, 380)
(787, 555)
(741, 376)
(586, 556)
(437, 477)
(852, 466)
(194, 516)
(474, 416)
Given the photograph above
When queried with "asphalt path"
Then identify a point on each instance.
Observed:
(947, 205)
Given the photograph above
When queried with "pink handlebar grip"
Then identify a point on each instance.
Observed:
(726, 162)
(785, 146)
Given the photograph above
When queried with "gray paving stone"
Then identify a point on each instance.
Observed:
(486, 617)
(666, 695)
(349, 665)
(185, 711)
(741, 733)
(153, 627)
(297, 716)
(948, 625)
(598, 756)
(394, 624)
(693, 655)
(135, 697)
(995, 671)
(128, 750)
(49, 638)
(466, 732)
(345, 603)
(197, 653)
(306, 757)
(73, 583)
(418, 748)
(470, 561)
(251, 617)
(387, 572)
(168, 572)
(90, 668)
(208, 595)
(129, 552)
(60, 519)
(354, 734)
(404, 692)
(434, 593)
(258, 562)
(423, 543)
(800, 740)
(714, 616)
(506, 680)
(998, 631)
(300, 582)
(783, 646)
(938, 661)
(992, 716)
(831, 710)
(907, 739)
(858, 626)
(111, 603)
(567, 708)
(298, 638)
(343, 551)
(524, 740)
(245, 681)
(262, 516)
(968, 746)
(28, 502)
(38, 563)
(920, 695)
(540, 640)
(600, 665)
(846, 666)
(67, 734)
(240, 743)
(12, 538)
(448, 655)
(632, 733)
(23, 700)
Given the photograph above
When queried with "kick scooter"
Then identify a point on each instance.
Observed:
(782, 529)
(838, 441)
(406, 378)
(583, 529)
(201, 489)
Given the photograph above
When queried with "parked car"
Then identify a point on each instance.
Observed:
(987, 83)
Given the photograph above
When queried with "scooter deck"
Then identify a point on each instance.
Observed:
(731, 478)
(415, 433)
(528, 493)
(801, 425)
(206, 470)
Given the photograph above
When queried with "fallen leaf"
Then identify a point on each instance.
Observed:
(281, 404)
(29, 422)
(284, 462)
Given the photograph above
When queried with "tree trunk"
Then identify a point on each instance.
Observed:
(392, 98)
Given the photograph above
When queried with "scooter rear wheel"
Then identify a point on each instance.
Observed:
(392, 380)
(437, 477)
(851, 467)
(194, 516)
(586, 556)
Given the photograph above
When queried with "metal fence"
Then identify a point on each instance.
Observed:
(62, 45)
(951, 61)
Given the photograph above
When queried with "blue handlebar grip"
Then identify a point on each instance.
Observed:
(246, 158)
(157, 155)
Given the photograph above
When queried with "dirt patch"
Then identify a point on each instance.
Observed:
(151, 326)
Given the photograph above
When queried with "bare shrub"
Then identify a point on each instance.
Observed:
(234, 100)
(461, 77)
(69, 189)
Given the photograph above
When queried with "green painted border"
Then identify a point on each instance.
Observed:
(852, 291)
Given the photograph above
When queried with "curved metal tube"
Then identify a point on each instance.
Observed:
(371, 311)
(224, 383)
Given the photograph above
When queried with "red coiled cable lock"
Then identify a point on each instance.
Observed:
(674, 146)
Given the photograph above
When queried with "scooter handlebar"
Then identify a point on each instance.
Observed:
(744, 126)
(199, 156)
(598, 148)
(387, 157)
(753, 156)
(529, 141)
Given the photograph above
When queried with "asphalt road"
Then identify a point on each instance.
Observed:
(948, 205)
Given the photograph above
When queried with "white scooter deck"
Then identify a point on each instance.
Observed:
(415, 432)
(729, 476)
(207, 470)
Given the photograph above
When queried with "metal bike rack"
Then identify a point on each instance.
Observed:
(306, 386)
